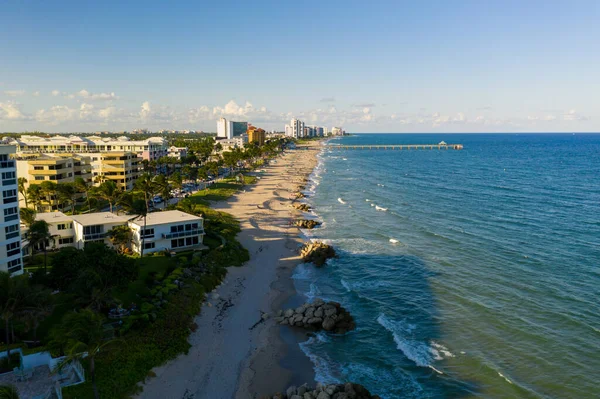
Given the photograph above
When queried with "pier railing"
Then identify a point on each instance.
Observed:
(397, 147)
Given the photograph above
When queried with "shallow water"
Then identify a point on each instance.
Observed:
(470, 273)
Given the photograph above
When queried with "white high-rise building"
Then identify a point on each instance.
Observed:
(296, 128)
(11, 259)
(223, 130)
(336, 131)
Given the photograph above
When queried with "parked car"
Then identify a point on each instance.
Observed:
(157, 200)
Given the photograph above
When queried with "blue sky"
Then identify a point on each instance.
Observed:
(378, 66)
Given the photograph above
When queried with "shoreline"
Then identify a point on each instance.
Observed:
(236, 351)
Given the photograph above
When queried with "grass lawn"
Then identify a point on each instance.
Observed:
(220, 191)
(158, 265)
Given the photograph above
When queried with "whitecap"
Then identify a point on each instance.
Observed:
(394, 241)
(507, 380)
(368, 200)
(379, 208)
(341, 201)
(323, 367)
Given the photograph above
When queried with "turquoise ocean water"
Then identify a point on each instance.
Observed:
(472, 273)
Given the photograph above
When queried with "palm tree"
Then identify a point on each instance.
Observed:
(164, 188)
(39, 233)
(39, 306)
(120, 236)
(146, 184)
(34, 193)
(66, 194)
(108, 191)
(8, 392)
(48, 190)
(27, 216)
(84, 187)
(22, 190)
(138, 208)
(81, 336)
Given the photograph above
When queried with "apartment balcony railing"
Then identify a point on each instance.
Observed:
(96, 236)
(186, 233)
(9, 182)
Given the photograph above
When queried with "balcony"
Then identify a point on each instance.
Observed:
(9, 182)
(180, 234)
(91, 237)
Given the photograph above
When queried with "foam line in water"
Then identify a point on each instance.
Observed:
(341, 201)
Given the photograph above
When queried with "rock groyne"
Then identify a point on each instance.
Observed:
(317, 252)
(319, 315)
(332, 391)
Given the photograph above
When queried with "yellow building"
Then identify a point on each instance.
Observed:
(257, 136)
(120, 167)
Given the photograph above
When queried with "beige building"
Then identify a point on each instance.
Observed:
(121, 167)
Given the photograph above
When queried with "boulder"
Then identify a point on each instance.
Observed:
(329, 316)
(307, 223)
(317, 253)
(289, 313)
(328, 324)
(291, 391)
(323, 395)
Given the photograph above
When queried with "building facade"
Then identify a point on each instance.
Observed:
(167, 230)
(257, 136)
(177, 152)
(295, 129)
(150, 149)
(121, 167)
(230, 129)
(11, 260)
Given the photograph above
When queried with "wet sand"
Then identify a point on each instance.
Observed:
(236, 353)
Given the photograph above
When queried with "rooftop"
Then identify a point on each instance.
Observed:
(165, 217)
(53, 217)
(99, 218)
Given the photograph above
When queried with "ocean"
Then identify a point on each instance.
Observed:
(470, 273)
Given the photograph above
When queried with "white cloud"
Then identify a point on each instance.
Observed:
(14, 93)
(86, 95)
(35, 94)
(55, 93)
(573, 115)
(145, 110)
(56, 115)
(12, 111)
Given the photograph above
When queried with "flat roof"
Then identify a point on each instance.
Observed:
(53, 217)
(99, 218)
(165, 217)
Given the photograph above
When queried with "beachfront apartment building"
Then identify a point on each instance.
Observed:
(235, 142)
(167, 230)
(149, 149)
(230, 129)
(295, 129)
(123, 168)
(257, 136)
(11, 260)
(177, 152)
(337, 131)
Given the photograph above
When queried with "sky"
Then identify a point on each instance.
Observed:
(374, 66)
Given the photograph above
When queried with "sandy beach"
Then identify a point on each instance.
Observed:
(236, 353)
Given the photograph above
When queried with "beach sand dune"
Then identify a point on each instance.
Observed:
(235, 353)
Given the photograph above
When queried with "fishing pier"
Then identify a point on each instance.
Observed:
(440, 146)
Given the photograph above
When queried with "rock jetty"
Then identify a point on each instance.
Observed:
(302, 207)
(333, 391)
(319, 315)
(317, 253)
(307, 224)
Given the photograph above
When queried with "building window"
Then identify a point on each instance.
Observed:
(11, 214)
(9, 196)
(38, 168)
(63, 241)
(39, 177)
(149, 245)
(148, 233)
(14, 265)
(12, 231)
(64, 226)
(14, 248)
(184, 242)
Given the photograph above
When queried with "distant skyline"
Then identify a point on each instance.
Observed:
(379, 66)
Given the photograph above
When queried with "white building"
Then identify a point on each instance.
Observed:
(167, 230)
(93, 227)
(10, 235)
(336, 131)
(222, 129)
(295, 129)
(234, 142)
(149, 149)
(177, 152)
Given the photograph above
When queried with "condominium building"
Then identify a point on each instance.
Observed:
(10, 236)
(121, 167)
(337, 131)
(167, 230)
(295, 129)
(230, 129)
(235, 142)
(257, 136)
(177, 152)
(149, 149)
